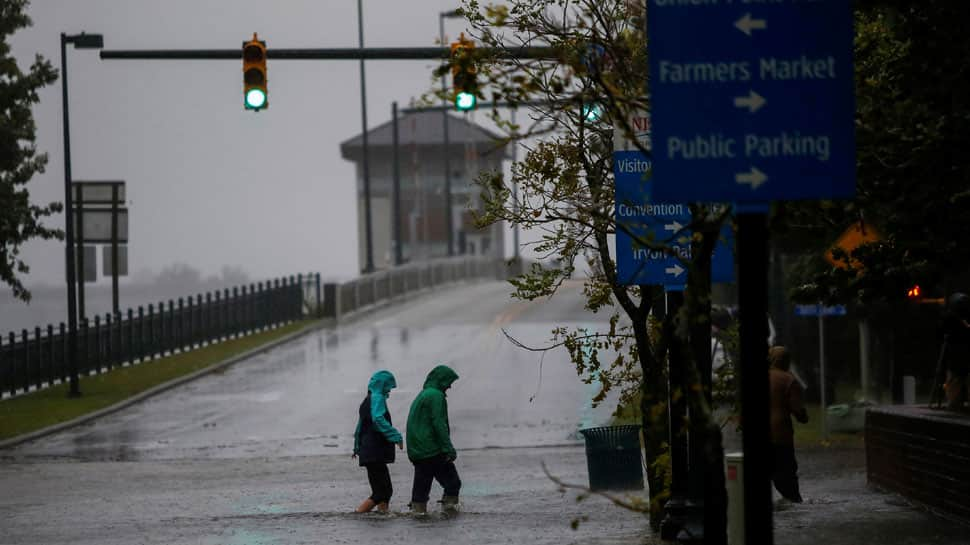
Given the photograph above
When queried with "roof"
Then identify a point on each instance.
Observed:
(424, 129)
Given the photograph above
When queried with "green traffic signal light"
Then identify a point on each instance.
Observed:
(465, 101)
(592, 112)
(255, 99)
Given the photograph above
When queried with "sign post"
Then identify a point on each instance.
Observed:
(101, 219)
(753, 104)
(757, 105)
(821, 311)
(638, 219)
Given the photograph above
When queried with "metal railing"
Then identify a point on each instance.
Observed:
(33, 361)
(340, 299)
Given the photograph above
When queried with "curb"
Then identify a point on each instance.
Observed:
(155, 390)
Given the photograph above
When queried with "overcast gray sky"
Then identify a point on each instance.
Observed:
(210, 184)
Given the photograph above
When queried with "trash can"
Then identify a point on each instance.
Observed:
(613, 458)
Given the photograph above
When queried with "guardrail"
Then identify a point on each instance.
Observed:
(376, 288)
(29, 362)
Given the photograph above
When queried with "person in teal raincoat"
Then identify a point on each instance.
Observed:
(374, 441)
(429, 442)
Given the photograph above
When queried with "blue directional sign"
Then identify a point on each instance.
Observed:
(752, 101)
(665, 224)
(820, 310)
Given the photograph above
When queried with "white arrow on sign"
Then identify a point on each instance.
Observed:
(676, 270)
(746, 24)
(753, 102)
(755, 178)
(673, 227)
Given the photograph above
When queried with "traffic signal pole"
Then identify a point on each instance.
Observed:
(332, 54)
(447, 143)
(365, 162)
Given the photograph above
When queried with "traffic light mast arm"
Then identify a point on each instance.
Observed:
(348, 54)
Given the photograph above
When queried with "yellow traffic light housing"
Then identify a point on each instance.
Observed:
(464, 74)
(255, 96)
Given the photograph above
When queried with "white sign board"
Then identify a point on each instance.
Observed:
(97, 225)
(122, 260)
(97, 192)
(639, 122)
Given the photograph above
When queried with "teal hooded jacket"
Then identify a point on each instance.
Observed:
(428, 431)
(379, 387)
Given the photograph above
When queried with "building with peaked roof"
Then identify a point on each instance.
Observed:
(424, 218)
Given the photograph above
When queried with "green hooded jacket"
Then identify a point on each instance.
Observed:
(428, 432)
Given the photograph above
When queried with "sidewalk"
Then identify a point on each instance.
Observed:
(840, 509)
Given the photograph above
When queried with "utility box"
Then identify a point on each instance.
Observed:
(734, 468)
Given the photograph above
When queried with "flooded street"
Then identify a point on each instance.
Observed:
(259, 453)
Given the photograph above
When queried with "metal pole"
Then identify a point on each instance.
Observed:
(515, 200)
(75, 390)
(821, 370)
(369, 262)
(398, 252)
(752, 244)
(114, 249)
(332, 54)
(79, 240)
(447, 144)
(675, 510)
(864, 357)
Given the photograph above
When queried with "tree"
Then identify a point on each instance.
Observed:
(20, 220)
(913, 177)
(564, 189)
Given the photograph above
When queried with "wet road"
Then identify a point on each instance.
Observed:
(302, 398)
(258, 453)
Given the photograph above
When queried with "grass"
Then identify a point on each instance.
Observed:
(806, 435)
(810, 435)
(43, 408)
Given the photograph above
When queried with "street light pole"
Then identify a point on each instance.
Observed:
(80, 41)
(368, 232)
(444, 119)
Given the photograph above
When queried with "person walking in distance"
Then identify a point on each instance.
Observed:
(374, 441)
(786, 401)
(956, 328)
(429, 443)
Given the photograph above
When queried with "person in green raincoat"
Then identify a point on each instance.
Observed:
(374, 441)
(429, 442)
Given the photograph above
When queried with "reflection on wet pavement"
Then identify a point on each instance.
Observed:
(301, 398)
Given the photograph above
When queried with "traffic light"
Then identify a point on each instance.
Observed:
(464, 74)
(254, 74)
(914, 292)
(592, 112)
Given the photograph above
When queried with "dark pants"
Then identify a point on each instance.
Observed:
(380, 482)
(784, 472)
(439, 469)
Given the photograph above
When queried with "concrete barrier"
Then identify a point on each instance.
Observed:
(375, 289)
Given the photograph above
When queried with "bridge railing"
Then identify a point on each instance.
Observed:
(34, 360)
(371, 290)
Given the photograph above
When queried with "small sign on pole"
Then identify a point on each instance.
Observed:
(820, 310)
(97, 225)
(122, 261)
(99, 192)
(90, 273)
